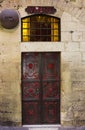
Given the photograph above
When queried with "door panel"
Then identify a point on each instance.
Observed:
(31, 63)
(41, 88)
(31, 90)
(51, 90)
(50, 112)
(51, 66)
(31, 112)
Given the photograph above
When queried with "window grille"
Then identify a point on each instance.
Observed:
(40, 27)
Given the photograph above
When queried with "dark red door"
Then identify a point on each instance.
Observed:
(41, 88)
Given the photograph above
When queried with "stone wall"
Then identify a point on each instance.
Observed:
(72, 71)
(72, 48)
(10, 92)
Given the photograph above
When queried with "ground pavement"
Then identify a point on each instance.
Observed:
(26, 128)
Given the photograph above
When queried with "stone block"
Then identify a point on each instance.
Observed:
(10, 52)
(72, 46)
(68, 26)
(44, 128)
(82, 95)
(10, 109)
(77, 76)
(83, 56)
(84, 36)
(66, 76)
(66, 17)
(68, 7)
(80, 115)
(59, 13)
(65, 36)
(78, 123)
(75, 19)
(73, 57)
(75, 96)
(78, 13)
(78, 85)
(82, 46)
(82, 15)
(78, 106)
(9, 103)
(78, 95)
(65, 66)
(9, 71)
(74, 11)
(42, 47)
(67, 123)
(7, 36)
(61, 4)
(77, 36)
(80, 27)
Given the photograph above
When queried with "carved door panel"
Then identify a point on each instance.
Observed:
(41, 88)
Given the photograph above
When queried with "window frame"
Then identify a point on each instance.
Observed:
(59, 27)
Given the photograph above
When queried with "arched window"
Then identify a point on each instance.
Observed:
(40, 27)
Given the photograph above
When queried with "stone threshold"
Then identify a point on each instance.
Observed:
(42, 126)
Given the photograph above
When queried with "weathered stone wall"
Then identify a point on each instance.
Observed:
(73, 71)
(72, 48)
(10, 92)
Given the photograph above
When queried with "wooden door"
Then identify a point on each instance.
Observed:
(41, 88)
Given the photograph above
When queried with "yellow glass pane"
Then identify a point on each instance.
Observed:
(55, 32)
(52, 38)
(26, 38)
(26, 20)
(48, 20)
(25, 32)
(56, 20)
(52, 19)
(56, 38)
(52, 25)
(26, 25)
(56, 25)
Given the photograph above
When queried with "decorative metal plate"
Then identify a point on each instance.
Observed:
(9, 18)
(40, 9)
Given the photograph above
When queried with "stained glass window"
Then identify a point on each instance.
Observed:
(40, 27)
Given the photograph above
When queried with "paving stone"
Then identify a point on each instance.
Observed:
(26, 128)
(81, 128)
(68, 128)
(14, 128)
